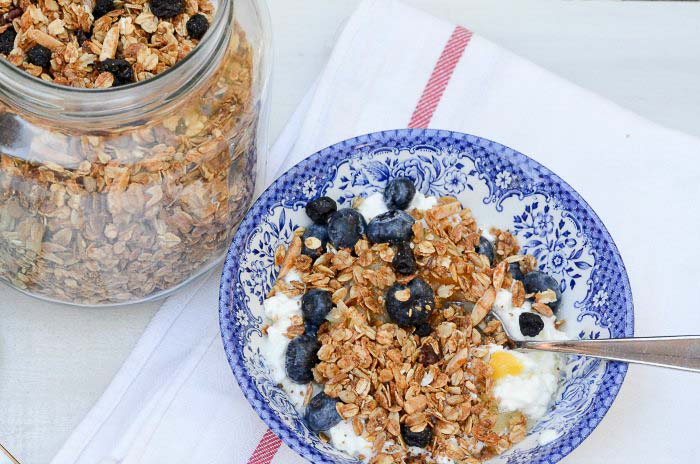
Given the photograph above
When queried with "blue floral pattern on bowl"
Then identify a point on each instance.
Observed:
(503, 188)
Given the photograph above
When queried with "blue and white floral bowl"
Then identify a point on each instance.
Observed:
(503, 188)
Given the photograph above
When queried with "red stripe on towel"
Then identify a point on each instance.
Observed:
(266, 449)
(440, 77)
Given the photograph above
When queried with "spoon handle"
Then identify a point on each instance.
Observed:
(681, 352)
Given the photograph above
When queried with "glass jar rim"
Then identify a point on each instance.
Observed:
(23, 86)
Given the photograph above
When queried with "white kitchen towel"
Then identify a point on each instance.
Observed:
(175, 400)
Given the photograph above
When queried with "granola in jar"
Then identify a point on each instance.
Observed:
(378, 329)
(119, 195)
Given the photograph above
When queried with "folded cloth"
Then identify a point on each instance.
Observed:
(175, 400)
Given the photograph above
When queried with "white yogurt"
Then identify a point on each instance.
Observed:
(374, 204)
(532, 391)
(279, 310)
(343, 438)
(510, 316)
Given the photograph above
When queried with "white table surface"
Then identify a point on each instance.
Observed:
(55, 361)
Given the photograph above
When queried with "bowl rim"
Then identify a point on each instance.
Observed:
(231, 266)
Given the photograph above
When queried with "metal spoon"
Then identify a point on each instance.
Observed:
(678, 352)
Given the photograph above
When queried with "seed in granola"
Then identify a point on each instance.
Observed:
(515, 271)
(121, 70)
(538, 281)
(40, 56)
(485, 248)
(11, 16)
(427, 355)
(321, 413)
(420, 439)
(404, 261)
(531, 324)
(7, 40)
(165, 9)
(102, 7)
(197, 26)
(399, 192)
(345, 228)
(314, 241)
(315, 306)
(301, 357)
(394, 226)
(416, 309)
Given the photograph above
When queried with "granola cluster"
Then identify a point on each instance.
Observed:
(110, 217)
(100, 43)
(389, 378)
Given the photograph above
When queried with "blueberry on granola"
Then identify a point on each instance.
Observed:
(516, 272)
(399, 192)
(121, 70)
(81, 36)
(538, 281)
(404, 261)
(485, 248)
(197, 26)
(314, 241)
(102, 7)
(423, 330)
(345, 228)
(420, 439)
(320, 209)
(301, 357)
(7, 40)
(40, 56)
(315, 306)
(321, 414)
(393, 227)
(531, 324)
(410, 304)
(165, 9)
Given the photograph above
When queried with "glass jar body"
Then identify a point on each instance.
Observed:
(129, 196)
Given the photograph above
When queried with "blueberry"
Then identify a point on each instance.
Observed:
(7, 40)
(485, 248)
(197, 26)
(300, 358)
(314, 248)
(81, 36)
(321, 413)
(394, 227)
(399, 192)
(165, 9)
(102, 7)
(413, 307)
(516, 272)
(315, 306)
(320, 209)
(404, 261)
(531, 324)
(121, 70)
(538, 281)
(39, 55)
(345, 228)
(423, 330)
(420, 439)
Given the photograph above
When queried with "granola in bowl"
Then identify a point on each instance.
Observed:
(378, 329)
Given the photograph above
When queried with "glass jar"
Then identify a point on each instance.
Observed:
(120, 195)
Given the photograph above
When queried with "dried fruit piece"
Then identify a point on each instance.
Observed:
(197, 26)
